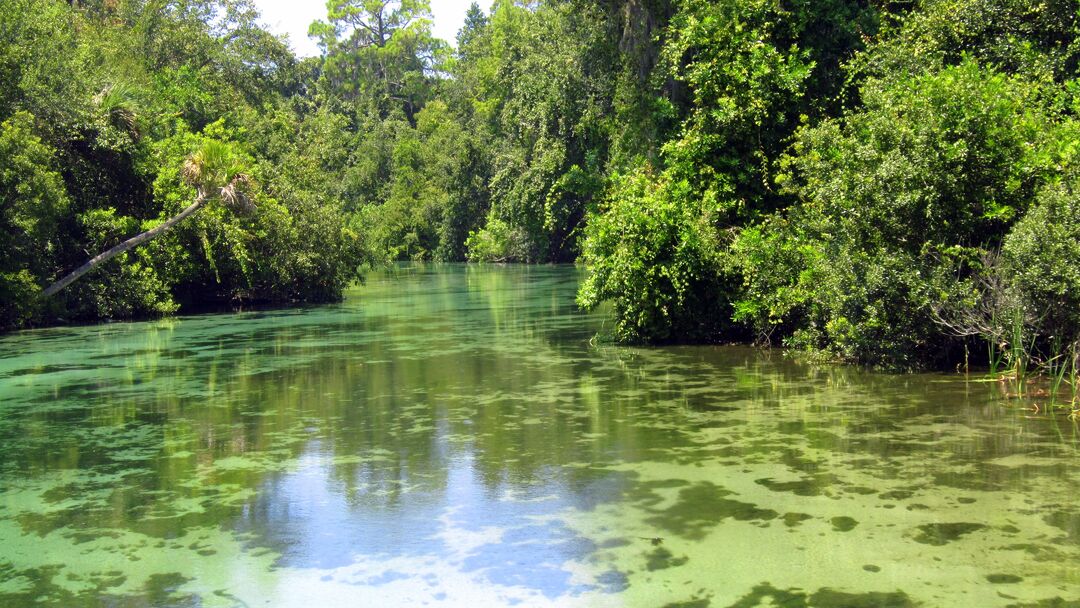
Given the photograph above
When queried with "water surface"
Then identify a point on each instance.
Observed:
(452, 436)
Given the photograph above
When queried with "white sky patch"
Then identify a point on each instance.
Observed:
(292, 18)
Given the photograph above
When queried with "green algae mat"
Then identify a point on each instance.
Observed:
(455, 436)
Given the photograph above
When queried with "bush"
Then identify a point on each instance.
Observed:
(655, 254)
(1042, 255)
(893, 198)
(498, 241)
(32, 205)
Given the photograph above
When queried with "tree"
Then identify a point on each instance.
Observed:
(32, 206)
(102, 101)
(898, 204)
(475, 22)
(214, 172)
(748, 71)
(540, 81)
(380, 52)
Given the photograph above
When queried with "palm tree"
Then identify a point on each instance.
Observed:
(215, 174)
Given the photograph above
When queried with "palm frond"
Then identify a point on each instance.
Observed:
(191, 171)
(211, 166)
(236, 196)
(118, 102)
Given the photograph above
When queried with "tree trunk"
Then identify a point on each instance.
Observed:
(126, 245)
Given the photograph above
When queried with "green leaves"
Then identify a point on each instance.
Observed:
(944, 157)
(847, 234)
(99, 109)
(32, 196)
(654, 254)
(659, 249)
(932, 164)
(1042, 253)
(1032, 39)
(539, 83)
(381, 53)
(33, 204)
(211, 166)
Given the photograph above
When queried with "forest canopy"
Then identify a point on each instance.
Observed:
(874, 181)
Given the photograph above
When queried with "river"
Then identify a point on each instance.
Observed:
(455, 436)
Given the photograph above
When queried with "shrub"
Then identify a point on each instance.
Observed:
(655, 254)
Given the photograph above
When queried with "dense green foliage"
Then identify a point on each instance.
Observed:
(748, 83)
(872, 181)
(100, 105)
(926, 170)
(845, 177)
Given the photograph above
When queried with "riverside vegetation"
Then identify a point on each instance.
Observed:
(874, 181)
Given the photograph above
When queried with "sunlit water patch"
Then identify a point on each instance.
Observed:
(453, 436)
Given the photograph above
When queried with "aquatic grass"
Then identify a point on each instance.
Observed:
(1020, 354)
(1028, 364)
(1026, 351)
(995, 352)
(1072, 365)
(1057, 366)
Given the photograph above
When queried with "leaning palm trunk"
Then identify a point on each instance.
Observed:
(126, 245)
(213, 171)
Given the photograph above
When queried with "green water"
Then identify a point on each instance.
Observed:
(449, 436)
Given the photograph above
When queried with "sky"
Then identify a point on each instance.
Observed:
(292, 17)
